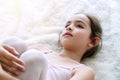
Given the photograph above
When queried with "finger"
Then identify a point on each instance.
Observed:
(6, 62)
(9, 63)
(11, 70)
(5, 54)
(19, 67)
(10, 49)
(12, 64)
(0, 67)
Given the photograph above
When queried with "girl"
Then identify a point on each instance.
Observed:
(80, 39)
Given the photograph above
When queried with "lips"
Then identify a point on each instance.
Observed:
(67, 34)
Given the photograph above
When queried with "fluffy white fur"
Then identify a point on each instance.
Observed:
(40, 21)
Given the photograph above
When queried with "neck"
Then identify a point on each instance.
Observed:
(74, 55)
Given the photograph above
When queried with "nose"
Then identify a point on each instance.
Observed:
(69, 28)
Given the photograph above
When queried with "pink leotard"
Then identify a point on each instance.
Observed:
(57, 72)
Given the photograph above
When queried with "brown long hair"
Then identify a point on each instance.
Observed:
(96, 31)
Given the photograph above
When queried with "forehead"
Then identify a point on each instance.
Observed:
(80, 17)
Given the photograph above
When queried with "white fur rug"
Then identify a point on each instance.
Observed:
(39, 21)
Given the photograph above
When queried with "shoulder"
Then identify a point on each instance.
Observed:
(84, 68)
(85, 72)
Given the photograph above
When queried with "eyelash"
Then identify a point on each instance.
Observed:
(67, 25)
(79, 26)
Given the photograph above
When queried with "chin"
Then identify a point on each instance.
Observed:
(67, 44)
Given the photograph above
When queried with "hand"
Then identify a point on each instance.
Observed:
(5, 76)
(10, 61)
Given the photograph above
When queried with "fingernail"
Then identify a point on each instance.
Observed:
(17, 73)
(22, 63)
(23, 69)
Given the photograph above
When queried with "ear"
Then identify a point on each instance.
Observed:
(94, 42)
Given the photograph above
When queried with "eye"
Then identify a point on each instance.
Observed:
(80, 26)
(67, 24)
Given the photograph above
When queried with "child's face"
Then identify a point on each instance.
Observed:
(76, 33)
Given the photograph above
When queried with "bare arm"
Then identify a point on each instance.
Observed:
(82, 73)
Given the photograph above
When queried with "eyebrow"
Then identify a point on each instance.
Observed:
(80, 22)
(77, 21)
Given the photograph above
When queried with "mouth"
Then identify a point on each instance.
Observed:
(67, 34)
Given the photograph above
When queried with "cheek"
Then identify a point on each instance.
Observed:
(61, 38)
(65, 41)
(82, 37)
(61, 35)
